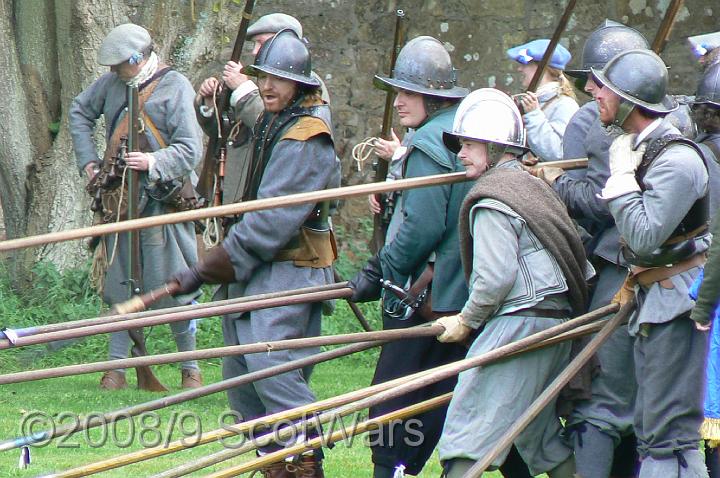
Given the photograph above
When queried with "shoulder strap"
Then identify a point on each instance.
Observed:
(656, 147)
(305, 128)
(121, 128)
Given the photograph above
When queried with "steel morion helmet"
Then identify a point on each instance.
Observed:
(640, 78)
(609, 39)
(423, 66)
(708, 91)
(490, 116)
(285, 56)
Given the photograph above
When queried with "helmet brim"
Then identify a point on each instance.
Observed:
(453, 142)
(667, 105)
(253, 70)
(582, 74)
(389, 84)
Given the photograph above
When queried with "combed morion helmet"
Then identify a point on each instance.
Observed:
(640, 78)
(423, 66)
(285, 56)
(488, 115)
(609, 39)
(708, 91)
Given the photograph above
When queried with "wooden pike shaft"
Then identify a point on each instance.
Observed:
(287, 432)
(260, 347)
(179, 316)
(339, 435)
(551, 336)
(565, 164)
(550, 392)
(125, 413)
(663, 34)
(233, 209)
(106, 319)
(223, 433)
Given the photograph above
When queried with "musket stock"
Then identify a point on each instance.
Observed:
(146, 379)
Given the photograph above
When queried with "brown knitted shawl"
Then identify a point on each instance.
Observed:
(545, 215)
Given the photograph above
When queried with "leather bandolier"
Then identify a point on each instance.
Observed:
(314, 245)
(677, 254)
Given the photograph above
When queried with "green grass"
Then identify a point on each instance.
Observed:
(57, 297)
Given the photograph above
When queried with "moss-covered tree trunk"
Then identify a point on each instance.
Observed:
(49, 57)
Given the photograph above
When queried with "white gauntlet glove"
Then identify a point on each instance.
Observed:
(455, 329)
(623, 163)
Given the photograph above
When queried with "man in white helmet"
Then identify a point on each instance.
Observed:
(170, 148)
(526, 268)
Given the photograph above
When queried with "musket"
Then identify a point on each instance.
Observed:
(212, 175)
(663, 33)
(562, 24)
(145, 378)
(382, 165)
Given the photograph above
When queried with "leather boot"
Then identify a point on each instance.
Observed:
(191, 378)
(277, 470)
(309, 467)
(113, 380)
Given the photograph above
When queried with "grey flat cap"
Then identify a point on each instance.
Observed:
(122, 43)
(273, 23)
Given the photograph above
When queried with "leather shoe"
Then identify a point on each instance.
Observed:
(191, 378)
(113, 380)
(309, 467)
(277, 470)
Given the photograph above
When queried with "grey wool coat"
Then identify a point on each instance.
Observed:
(165, 250)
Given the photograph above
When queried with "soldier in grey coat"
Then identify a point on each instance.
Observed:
(172, 150)
(657, 194)
(278, 249)
(598, 425)
(526, 274)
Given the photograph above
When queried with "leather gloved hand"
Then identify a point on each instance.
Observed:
(455, 329)
(366, 283)
(214, 268)
(549, 174)
(624, 161)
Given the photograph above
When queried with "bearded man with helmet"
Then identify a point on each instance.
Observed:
(527, 271)
(278, 249)
(603, 423)
(657, 193)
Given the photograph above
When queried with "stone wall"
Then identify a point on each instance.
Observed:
(350, 42)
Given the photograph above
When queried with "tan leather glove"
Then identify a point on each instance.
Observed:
(455, 329)
(548, 174)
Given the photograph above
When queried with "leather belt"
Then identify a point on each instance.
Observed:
(647, 277)
(541, 313)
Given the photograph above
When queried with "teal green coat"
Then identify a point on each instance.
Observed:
(430, 217)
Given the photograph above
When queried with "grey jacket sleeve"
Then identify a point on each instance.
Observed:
(173, 111)
(495, 263)
(294, 167)
(709, 295)
(580, 195)
(85, 110)
(249, 108)
(675, 180)
(576, 132)
(545, 129)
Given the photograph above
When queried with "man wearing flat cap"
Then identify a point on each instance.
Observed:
(170, 147)
(245, 101)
